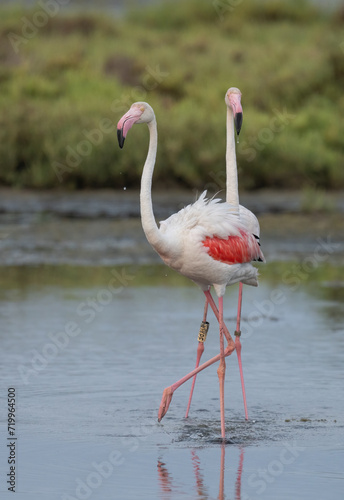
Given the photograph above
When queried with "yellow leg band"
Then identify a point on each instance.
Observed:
(203, 331)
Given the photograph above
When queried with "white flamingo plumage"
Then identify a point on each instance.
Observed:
(205, 242)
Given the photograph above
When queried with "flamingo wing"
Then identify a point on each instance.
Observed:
(249, 221)
(235, 249)
(217, 227)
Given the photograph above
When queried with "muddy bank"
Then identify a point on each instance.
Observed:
(125, 203)
(104, 228)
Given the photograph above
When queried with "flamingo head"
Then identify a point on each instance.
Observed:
(233, 100)
(140, 112)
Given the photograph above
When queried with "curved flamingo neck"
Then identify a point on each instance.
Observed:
(232, 195)
(147, 216)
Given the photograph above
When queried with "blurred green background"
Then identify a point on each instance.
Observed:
(67, 76)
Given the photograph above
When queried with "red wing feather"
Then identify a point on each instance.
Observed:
(234, 249)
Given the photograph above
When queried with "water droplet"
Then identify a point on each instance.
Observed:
(237, 139)
(124, 189)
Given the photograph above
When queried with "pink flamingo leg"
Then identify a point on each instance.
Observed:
(216, 312)
(200, 350)
(168, 392)
(209, 300)
(237, 334)
(222, 370)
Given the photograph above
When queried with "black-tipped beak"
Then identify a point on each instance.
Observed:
(120, 137)
(238, 122)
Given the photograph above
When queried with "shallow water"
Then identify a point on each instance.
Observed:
(89, 349)
(92, 398)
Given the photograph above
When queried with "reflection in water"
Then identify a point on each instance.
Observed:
(200, 486)
(165, 480)
(167, 486)
(239, 473)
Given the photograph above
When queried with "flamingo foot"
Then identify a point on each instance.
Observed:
(165, 402)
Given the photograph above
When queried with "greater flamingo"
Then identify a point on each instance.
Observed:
(205, 242)
(248, 219)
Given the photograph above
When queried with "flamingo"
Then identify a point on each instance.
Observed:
(205, 241)
(249, 220)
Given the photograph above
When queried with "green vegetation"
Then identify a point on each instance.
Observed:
(66, 79)
(315, 200)
(282, 274)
